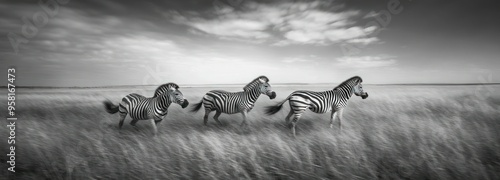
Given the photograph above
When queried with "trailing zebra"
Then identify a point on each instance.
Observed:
(139, 107)
(234, 102)
(321, 102)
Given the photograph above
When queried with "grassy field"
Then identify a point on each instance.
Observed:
(399, 132)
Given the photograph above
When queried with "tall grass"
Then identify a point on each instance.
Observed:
(399, 132)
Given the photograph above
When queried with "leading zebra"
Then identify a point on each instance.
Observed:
(139, 107)
(234, 102)
(321, 102)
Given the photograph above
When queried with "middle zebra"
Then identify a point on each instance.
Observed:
(234, 102)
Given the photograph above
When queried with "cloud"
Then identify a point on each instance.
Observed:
(296, 60)
(310, 59)
(365, 61)
(364, 41)
(371, 14)
(304, 36)
(248, 29)
(279, 24)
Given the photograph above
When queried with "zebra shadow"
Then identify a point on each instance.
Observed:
(142, 129)
(304, 126)
(145, 129)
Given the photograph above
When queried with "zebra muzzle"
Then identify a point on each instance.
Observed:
(364, 96)
(185, 103)
(272, 95)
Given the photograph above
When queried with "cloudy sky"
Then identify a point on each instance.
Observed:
(118, 42)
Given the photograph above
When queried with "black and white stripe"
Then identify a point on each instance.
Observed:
(321, 102)
(139, 107)
(235, 102)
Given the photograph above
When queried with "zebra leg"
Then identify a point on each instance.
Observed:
(205, 118)
(244, 113)
(216, 117)
(123, 115)
(340, 118)
(133, 123)
(287, 119)
(155, 128)
(332, 117)
(294, 123)
(122, 118)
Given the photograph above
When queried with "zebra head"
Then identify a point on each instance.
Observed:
(358, 89)
(260, 85)
(172, 90)
(177, 97)
(265, 87)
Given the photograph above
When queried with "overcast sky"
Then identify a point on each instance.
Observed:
(119, 42)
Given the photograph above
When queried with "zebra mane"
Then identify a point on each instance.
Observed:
(347, 81)
(164, 88)
(255, 81)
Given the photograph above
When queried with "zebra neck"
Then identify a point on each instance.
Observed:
(163, 102)
(344, 92)
(252, 95)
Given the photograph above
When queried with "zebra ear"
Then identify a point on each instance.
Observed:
(173, 87)
(263, 79)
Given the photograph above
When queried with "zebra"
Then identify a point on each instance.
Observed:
(234, 102)
(139, 107)
(321, 102)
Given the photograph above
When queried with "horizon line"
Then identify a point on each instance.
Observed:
(208, 85)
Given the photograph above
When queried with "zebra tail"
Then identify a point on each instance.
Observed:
(110, 107)
(270, 110)
(197, 106)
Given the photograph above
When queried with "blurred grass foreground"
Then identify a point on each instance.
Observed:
(399, 132)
